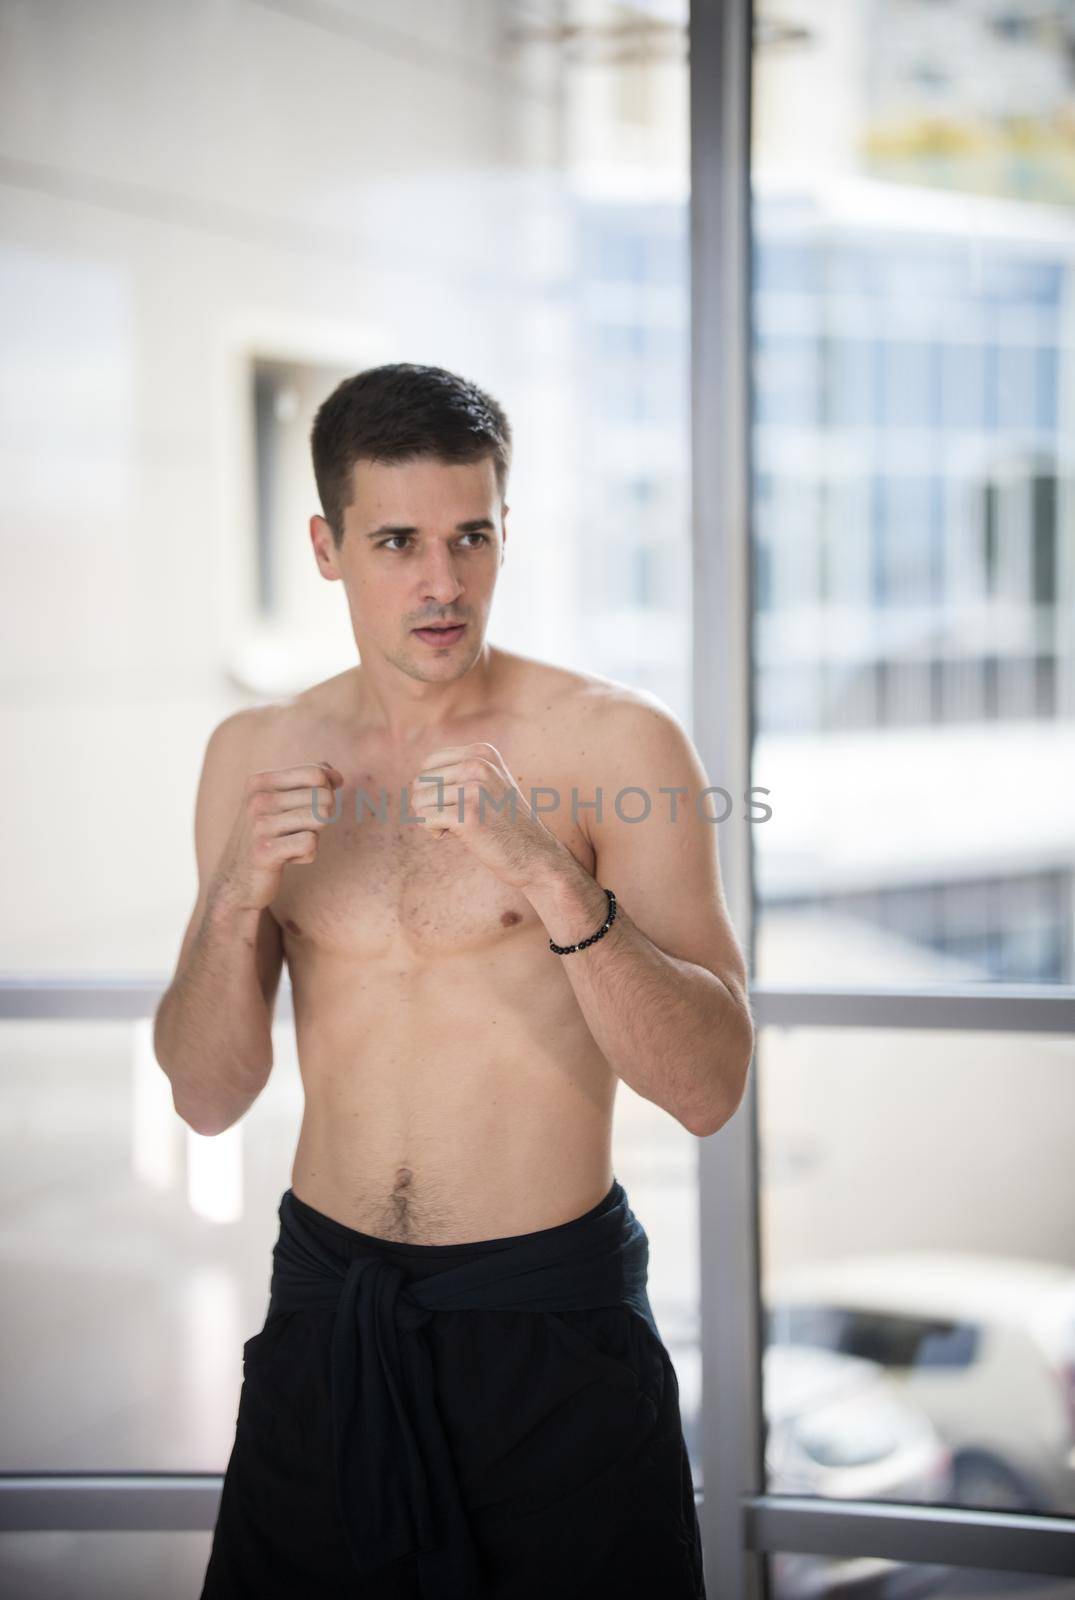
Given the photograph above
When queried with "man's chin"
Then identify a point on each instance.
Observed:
(438, 665)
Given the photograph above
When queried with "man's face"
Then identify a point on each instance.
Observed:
(423, 543)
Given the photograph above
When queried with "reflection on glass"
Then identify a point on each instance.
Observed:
(914, 241)
(918, 1266)
(137, 1254)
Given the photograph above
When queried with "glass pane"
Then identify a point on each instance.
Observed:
(809, 1577)
(170, 323)
(136, 1255)
(656, 1160)
(918, 1264)
(102, 1566)
(914, 237)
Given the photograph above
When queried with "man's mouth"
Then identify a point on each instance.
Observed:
(443, 632)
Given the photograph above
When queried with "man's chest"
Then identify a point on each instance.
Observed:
(381, 883)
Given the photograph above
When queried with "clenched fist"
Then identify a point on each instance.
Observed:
(276, 824)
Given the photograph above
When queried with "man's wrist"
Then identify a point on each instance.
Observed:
(224, 913)
(569, 901)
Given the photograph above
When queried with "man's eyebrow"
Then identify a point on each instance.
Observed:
(475, 525)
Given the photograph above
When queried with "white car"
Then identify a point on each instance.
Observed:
(837, 1426)
(983, 1345)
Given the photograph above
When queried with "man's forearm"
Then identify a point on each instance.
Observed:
(670, 1028)
(212, 1033)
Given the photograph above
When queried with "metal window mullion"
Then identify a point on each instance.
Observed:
(1007, 1008)
(722, 612)
(948, 1536)
(913, 1533)
(116, 1502)
(988, 1007)
(35, 997)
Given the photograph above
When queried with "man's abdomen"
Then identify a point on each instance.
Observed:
(451, 1110)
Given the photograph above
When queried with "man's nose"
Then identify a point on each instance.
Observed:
(439, 578)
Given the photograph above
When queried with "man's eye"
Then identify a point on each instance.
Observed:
(383, 544)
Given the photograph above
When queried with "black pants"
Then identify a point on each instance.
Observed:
(564, 1429)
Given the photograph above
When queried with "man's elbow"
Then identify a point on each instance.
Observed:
(210, 1120)
(730, 1079)
(203, 1112)
(195, 1117)
(703, 1125)
(203, 1125)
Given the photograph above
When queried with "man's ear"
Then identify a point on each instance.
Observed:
(324, 548)
(503, 532)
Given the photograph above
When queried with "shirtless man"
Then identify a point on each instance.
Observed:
(459, 1074)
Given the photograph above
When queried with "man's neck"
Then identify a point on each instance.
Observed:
(404, 713)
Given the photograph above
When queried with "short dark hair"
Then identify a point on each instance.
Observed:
(398, 413)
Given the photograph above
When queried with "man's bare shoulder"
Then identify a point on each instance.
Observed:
(574, 697)
(250, 739)
(272, 722)
(335, 696)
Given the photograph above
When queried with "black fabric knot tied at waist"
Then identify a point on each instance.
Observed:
(395, 1478)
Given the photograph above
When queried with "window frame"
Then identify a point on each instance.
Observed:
(740, 1521)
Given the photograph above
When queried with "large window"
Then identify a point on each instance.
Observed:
(870, 1310)
(914, 251)
(913, 693)
(292, 192)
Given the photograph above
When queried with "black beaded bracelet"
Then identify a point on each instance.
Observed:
(567, 949)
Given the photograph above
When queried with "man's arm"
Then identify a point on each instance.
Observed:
(212, 1033)
(664, 991)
